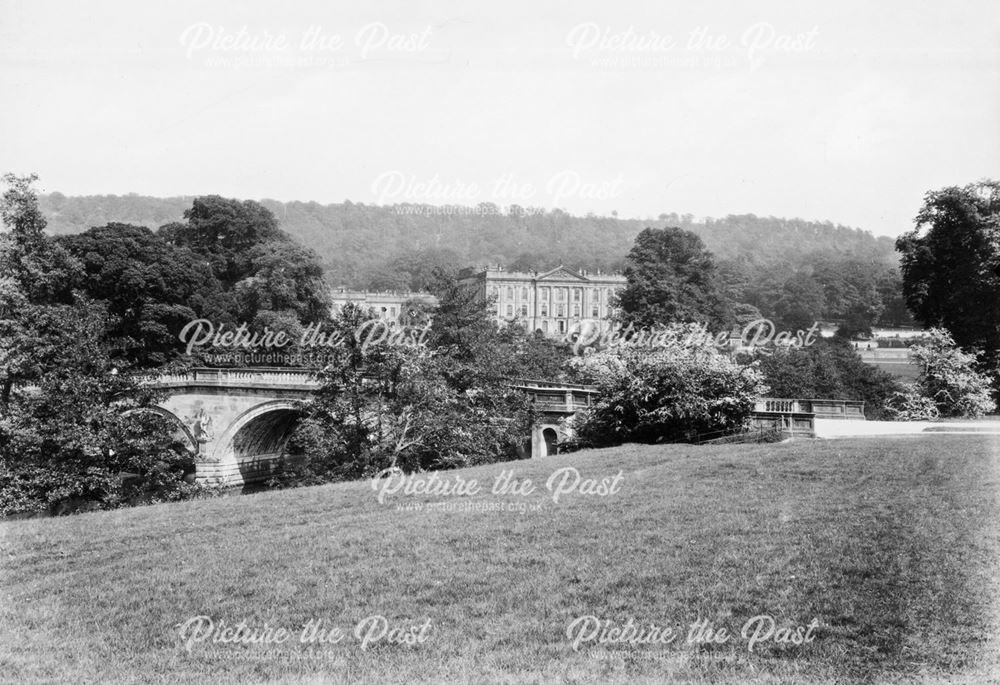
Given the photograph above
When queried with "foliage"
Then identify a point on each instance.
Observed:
(41, 270)
(153, 289)
(65, 429)
(70, 435)
(667, 394)
(671, 279)
(256, 262)
(819, 286)
(225, 231)
(828, 369)
(910, 404)
(418, 270)
(388, 404)
(951, 265)
(950, 378)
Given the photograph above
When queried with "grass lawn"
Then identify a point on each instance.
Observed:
(906, 372)
(892, 546)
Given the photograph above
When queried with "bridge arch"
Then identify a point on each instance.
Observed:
(259, 432)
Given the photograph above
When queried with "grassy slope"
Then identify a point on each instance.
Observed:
(892, 545)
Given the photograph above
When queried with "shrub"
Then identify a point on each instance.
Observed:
(665, 394)
(949, 377)
(911, 405)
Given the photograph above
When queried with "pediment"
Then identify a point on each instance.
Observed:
(561, 273)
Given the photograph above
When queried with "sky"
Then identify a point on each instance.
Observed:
(847, 111)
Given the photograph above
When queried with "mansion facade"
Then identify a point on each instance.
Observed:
(550, 302)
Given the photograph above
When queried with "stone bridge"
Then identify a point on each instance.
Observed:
(237, 421)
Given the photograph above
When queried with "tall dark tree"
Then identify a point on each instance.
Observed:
(153, 289)
(671, 279)
(35, 274)
(30, 262)
(951, 264)
(270, 276)
(225, 230)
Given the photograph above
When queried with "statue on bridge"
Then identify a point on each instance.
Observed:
(201, 426)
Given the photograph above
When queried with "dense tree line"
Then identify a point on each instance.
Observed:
(788, 269)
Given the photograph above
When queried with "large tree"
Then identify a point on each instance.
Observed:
(153, 289)
(30, 262)
(224, 231)
(671, 279)
(951, 264)
(270, 276)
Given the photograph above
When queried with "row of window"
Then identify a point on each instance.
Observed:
(560, 310)
(523, 293)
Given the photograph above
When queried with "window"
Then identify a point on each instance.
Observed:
(562, 326)
(577, 294)
(576, 311)
(524, 294)
(510, 292)
(545, 327)
(510, 310)
(524, 310)
(544, 309)
(595, 311)
(560, 294)
(545, 294)
(561, 310)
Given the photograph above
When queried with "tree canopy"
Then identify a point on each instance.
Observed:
(951, 264)
(152, 288)
(672, 279)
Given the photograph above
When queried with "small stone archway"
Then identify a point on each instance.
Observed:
(545, 439)
(551, 438)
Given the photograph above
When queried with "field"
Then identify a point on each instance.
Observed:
(883, 553)
(907, 373)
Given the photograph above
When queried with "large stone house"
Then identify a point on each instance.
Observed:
(551, 301)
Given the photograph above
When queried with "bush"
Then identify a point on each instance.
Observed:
(950, 379)
(911, 405)
(115, 461)
(667, 394)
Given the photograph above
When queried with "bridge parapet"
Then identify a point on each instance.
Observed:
(826, 409)
(278, 378)
(558, 398)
